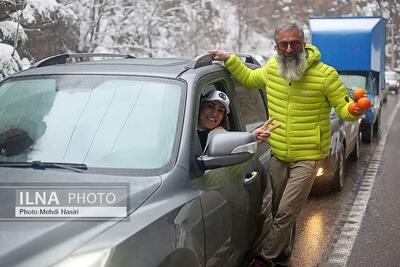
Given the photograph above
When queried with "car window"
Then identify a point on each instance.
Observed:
(251, 106)
(104, 121)
(352, 81)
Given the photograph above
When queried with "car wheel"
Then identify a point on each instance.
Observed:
(338, 179)
(355, 154)
(367, 133)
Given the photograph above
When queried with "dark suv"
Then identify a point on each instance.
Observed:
(133, 121)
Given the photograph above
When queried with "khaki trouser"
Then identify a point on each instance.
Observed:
(291, 184)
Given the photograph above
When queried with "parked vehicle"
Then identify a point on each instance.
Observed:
(133, 121)
(392, 81)
(345, 145)
(355, 46)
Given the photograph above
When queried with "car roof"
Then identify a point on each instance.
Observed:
(118, 64)
(170, 68)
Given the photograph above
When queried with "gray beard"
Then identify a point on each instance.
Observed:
(292, 69)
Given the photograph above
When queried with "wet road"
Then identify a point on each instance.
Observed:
(322, 224)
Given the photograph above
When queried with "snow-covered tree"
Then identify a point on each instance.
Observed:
(11, 35)
(148, 28)
(48, 25)
(168, 27)
(32, 27)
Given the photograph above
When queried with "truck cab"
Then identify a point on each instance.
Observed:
(355, 46)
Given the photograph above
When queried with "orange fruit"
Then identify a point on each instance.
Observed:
(352, 107)
(364, 103)
(358, 93)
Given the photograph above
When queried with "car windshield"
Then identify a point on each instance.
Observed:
(352, 81)
(101, 121)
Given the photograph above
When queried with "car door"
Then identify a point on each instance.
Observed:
(230, 196)
(252, 107)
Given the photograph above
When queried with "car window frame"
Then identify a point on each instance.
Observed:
(221, 76)
(234, 118)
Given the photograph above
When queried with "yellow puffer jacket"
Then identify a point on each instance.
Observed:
(302, 107)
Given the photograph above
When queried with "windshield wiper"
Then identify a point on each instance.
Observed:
(76, 167)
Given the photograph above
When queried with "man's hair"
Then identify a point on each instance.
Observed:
(288, 26)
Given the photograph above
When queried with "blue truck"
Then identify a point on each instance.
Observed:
(355, 46)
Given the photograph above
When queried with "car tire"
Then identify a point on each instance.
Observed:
(355, 153)
(367, 133)
(338, 179)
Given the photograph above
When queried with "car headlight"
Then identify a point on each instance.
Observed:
(97, 258)
(320, 172)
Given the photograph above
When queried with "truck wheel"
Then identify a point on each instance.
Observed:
(355, 154)
(367, 133)
(377, 126)
(338, 179)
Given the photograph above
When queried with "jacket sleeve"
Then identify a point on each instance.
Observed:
(336, 94)
(247, 77)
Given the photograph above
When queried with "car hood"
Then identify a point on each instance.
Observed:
(33, 242)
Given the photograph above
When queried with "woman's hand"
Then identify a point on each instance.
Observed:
(263, 133)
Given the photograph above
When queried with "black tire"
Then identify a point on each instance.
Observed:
(377, 126)
(367, 133)
(355, 153)
(338, 179)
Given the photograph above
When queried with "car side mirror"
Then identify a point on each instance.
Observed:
(226, 149)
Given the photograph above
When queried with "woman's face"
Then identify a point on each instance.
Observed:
(211, 115)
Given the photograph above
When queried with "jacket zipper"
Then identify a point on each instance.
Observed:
(289, 117)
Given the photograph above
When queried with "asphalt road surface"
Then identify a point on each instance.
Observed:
(359, 226)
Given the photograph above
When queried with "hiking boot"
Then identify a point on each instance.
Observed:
(283, 258)
(259, 261)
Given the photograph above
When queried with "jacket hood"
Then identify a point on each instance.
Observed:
(313, 54)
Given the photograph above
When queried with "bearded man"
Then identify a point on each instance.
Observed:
(301, 91)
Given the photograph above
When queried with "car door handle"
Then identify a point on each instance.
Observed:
(250, 178)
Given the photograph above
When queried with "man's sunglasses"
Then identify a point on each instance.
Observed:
(296, 45)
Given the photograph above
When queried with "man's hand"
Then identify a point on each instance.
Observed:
(355, 110)
(219, 55)
(262, 133)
